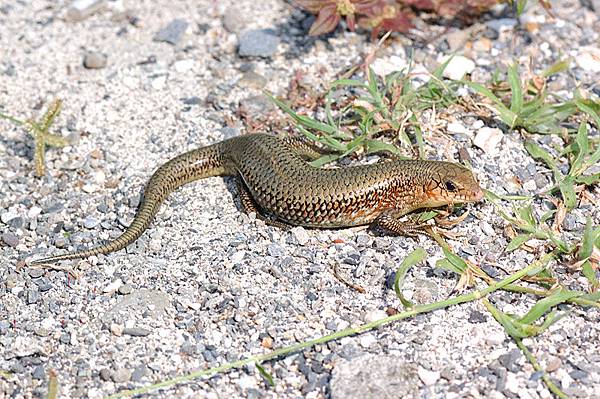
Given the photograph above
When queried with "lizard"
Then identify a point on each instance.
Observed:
(276, 179)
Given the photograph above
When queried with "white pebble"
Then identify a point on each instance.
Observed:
(428, 377)
(458, 67)
(488, 139)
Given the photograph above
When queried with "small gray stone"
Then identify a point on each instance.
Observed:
(234, 20)
(136, 332)
(275, 250)
(258, 43)
(121, 375)
(195, 100)
(301, 235)
(90, 223)
(173, 32)
(38, 373)
(252, 79)
(125, 289)
(16, 223)
(509, 360)
(36, 273)
(10, 239)
(134, 201)
(105, 374)
(139, 372)
(33, 296)
(94, 60)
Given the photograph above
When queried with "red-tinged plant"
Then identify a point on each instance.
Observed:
(387, 15)
(330, 12)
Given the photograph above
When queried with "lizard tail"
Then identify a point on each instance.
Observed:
(193, 165)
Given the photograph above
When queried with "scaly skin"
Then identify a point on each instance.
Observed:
(284, 185)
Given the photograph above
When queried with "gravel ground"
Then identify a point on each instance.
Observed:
(206, 284)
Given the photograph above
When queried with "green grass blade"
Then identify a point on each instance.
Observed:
(517, 242)
(567, 190)
(416, 256)
(265, 374)
(582, 141)
(516, 101)
(545, 304)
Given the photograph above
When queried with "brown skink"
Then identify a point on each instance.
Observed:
(275, 179)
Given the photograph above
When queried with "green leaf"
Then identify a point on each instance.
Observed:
(589, 107)
(374, 146)
(266, 375)
(447, 265)
(507, 116)
(545, 304)
(567, 189)
(458, 262)
(588, 180)
(557, 67)
(587, 247)
(416, 256)
(538, 152)
(516, 101)
(517, 242)
(582, 149)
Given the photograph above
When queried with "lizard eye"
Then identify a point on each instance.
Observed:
(450, 186)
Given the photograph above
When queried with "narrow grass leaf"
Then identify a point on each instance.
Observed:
(585, 252)
(416, 256)
(507, 116)
(517, 242)
(516, 101)
(582, 149)
(588, 180)
(374, 146)
(591, 108)
(456, 260)
(265, 374)
(538, 152)
(567, 190)
(445, 264)
(557, 67)
(545, 304)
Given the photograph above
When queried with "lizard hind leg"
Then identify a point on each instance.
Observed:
(250, 206)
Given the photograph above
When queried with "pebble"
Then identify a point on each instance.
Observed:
(588, 59)
(258, 43)
(235, 20)
(457, 127)
(509, 360)
(10, 239)
(136, 331)
(495, 338)
(90, 223)
(488, 139)
(428, 377)
(121, 375)
(81, 9)
(373, 315)
(366, 340)
(301, 235)
(238, 256)
(95, 60)
(458, 67)
(252, 79)
(553, 364)
(173, 32)
(386, 66)
(183, 66)
(8, 216)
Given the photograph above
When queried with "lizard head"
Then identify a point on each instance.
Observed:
(449, 183)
